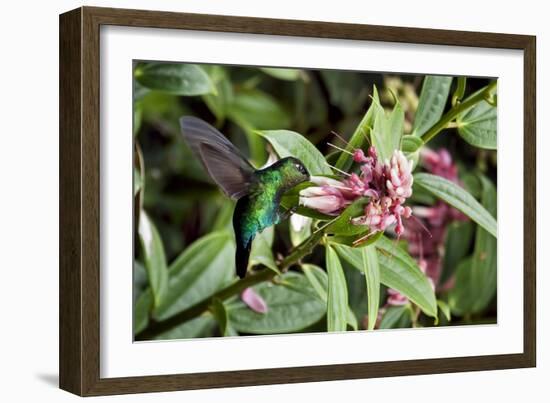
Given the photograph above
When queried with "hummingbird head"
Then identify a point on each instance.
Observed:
(293, 171)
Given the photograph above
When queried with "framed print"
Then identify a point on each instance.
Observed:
(249, 201)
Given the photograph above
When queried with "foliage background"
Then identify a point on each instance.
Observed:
(184, 206)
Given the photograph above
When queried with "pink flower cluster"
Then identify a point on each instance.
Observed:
(426, 237)
(388, 184)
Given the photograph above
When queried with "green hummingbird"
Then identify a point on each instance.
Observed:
(258, 191)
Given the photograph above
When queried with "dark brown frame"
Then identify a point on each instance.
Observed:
(79, 200)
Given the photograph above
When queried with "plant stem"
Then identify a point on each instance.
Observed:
(459, 92)
(156, 328)
(456, 110)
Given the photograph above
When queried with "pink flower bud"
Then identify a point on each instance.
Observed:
(253, 300)
(326, 204)
(359, 156)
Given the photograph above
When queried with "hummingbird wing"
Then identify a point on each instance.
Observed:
(223, 161)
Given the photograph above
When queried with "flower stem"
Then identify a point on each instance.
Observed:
(456, 110)
(156, 328)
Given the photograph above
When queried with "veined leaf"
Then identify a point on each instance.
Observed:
(476, 277)
(388, 130)
(398, 271)
(372, 276)
(433, 97)
(142, 308)
(478, 125)
(444, 308)
(359, 137)
(318, 279)
(202, 269)
(458, 198)
(174, 78)
(292, 306)
(154, 258)
(343, 226)
(220, 313)
(458, 242)
(291, 144)
(337, 293)
(411, 144)
(261, 252)
(396, 317)
(202, 326)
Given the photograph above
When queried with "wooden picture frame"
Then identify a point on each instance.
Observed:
(80, 199)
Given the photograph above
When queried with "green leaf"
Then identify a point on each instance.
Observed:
(476, 277)
(343, 225)
(458, 242)
(461, 297)
(372, 276)
(140, 281)
(396, 317)
(458, 198)
(174, 78)
(478, 125)
(398, 271)
(220, 313)
(261, 252)
(388, 130)
(201, 326)
(359, 136)
(401, 272)
(433, 97)
(421, 196)
(291, 144)
(292, 306)
(142, 308)
(154, 258)
(283, 74)
(411, 144)
(471, 183)
(351, 320)
(318, 279)
(365, 239)
(202, 269)
(444, 308)
(337, 309)
(138, 115)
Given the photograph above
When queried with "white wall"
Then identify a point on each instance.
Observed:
(29, 197)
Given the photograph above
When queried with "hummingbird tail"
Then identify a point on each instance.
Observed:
(241, 258)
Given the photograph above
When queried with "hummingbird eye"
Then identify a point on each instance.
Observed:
(300, 168)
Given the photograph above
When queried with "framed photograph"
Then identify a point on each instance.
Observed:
(249, 201)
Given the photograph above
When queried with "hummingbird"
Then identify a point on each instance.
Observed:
(258, 192)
